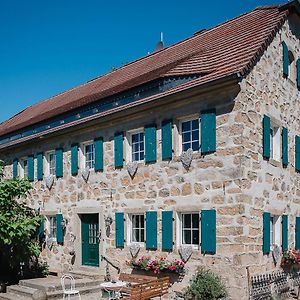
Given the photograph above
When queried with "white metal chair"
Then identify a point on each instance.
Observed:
(69, 291)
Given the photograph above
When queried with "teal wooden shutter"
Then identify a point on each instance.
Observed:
(59, 229)
(74, 159)
(119, 150)
(166, 140)
(40, 166)
(266, 233)
(297, 233)
(284, 135)
(298, 73)
(285, 51)
(208, 131)
(30, 161)
(59, 162)
(297, 153)
(15, 168)
(119, 216)
(284, 232)
(41, 228)
(150, 143)
(167, 230)
(266, 136)
(151, 230)
(208, 231)
(98, 154)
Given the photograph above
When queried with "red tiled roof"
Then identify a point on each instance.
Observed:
(232, 47)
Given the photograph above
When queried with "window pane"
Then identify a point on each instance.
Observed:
(195, 220)
(186, 237)
(186, 221)
(186, 137)
(186, 126)
(195, 135)
(195, 237)
(142, 235)
(195, 146)
(195, 124)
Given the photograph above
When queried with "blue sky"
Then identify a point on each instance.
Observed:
(50, 46)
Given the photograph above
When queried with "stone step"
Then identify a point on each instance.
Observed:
(82, 291)
(21, 290)
(12, 296)
(53, 284)
(88, 274)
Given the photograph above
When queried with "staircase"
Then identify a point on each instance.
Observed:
(51, 285)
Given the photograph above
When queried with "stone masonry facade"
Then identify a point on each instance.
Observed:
(235, 180)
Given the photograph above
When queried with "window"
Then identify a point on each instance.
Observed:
(137, 146)
(51, 163)
(52, 226)
(190, 229)
(275, 142)
(190, 135)
(292, 66)
(275, 231)
(137, 228)
(24, 168)
(89, 156)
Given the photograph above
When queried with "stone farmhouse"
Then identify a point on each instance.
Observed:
(195, 146)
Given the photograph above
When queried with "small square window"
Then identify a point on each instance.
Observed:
(137, 146)
(137, 223)
(52, 226)
(190, 229)
(89, 156)
(190, 134)
(275, 231)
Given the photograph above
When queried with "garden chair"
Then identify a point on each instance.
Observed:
(71, 291)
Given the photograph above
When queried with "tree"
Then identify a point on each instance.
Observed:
(18, 227)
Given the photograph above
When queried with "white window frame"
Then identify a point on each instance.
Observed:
(186, 119)
(83, 154)
(47, 161)
(130, 228)
(179, 223)
(129, 135)
(275, 231)
(275, 141)
(22, 167)
(49, 228)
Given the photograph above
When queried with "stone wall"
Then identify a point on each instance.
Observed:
(235, 180)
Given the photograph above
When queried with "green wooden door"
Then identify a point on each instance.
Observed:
(90, 241)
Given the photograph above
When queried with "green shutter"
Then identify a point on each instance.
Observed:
(284, 142)
(266, 136)
(40, 165)
(266, 233)
(297, 153)
(15, 168)
(41, 229)
(74, 159)
(98, 154)
(59, 162)
(119, 150)
(59, 229)
(151, 230)
(166, 140)
(297, 233)
(208, 231)
(298, 73)
(30, 161)
(284, 232)
(285, 51)
(208, 131)
(150, 143)
(167, 230)
(119, 229)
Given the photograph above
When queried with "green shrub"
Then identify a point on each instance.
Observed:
(205, 285)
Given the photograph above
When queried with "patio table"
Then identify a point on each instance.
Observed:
(113, 288)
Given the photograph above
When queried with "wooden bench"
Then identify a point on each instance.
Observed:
(147, 290)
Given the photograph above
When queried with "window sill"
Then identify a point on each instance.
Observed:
(274, 162)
